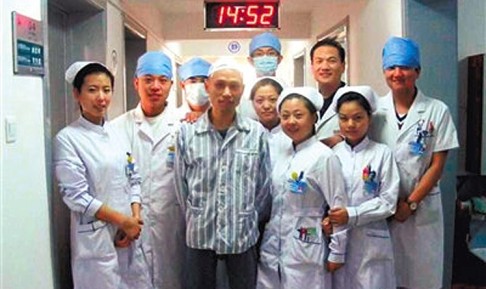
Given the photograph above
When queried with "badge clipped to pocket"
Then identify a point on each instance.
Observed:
(419, 145)
(130, 167)
(297, 184)
(369, 180)
(307, 234)
(170, 158)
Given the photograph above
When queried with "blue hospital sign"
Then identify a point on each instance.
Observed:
(234, 47)
(28, 48)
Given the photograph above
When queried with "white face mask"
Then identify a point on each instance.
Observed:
(196, 94)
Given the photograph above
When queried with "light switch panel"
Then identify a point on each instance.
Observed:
(10, 129)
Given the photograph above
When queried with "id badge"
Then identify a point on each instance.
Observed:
(297, 184)
(370, 184)
(130, 166)
(170, 158)
(307, 235)
(422, 134)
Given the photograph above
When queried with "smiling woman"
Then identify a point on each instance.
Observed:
(94, 96)
(99, 182)
(302, 188)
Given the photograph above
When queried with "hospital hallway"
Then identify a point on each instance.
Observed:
(41, 38)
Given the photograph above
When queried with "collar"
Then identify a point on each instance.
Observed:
(91, 126)
(139, 117)
(203, 125)
(418, 104)
(359, 147)
(276, 129)
(305, 144)
(341, 84)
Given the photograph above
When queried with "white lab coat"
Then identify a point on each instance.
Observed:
(164, 235)
(369, 259)
(301, 263)
(419, 241)
(276, 139)
(327, 125)
(90, 162)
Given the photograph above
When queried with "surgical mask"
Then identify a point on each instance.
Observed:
(265, 65)
(196, 94)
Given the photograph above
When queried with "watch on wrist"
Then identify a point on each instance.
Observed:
(412, 206)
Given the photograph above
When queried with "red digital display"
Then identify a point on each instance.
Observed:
(241, 15)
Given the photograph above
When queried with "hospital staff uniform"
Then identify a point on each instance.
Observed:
(419, 241)
(92, 169)
(294, 249)
(152, 141)
(276, 138)
(372, 180)
(328, 123)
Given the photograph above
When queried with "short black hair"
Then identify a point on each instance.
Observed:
(329, 41)
(91, 69)
(354, 96)
(264, 82)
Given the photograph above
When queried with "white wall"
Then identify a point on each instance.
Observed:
(378, 20)
(371, 22)
(471, 27)
(152, 21)
(213, 48)
(330, 14)
(367, 34)
(25, 250)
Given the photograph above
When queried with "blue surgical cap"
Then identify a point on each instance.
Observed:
(400, 51)
(155, 63)
(265, 39)
(194, 67)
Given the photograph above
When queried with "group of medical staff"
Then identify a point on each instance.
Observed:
(256, 186)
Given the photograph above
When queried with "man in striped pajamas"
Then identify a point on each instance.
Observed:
(222, 173)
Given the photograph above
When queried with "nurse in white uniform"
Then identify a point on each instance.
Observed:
(306, 179)
(420, 132)
(264, 95)
(99, 183)
(372, 182)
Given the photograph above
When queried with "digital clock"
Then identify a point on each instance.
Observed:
(224, 15)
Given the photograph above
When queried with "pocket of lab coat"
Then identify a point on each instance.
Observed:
(93, 241)
(378, 244)
(429, 210)
(306, 242)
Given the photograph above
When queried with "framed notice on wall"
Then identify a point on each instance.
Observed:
(28, 46)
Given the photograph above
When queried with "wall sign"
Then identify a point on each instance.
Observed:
(234, 47)
(28, 46)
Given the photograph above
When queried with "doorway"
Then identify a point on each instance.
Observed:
(70, 23)
(135, 46)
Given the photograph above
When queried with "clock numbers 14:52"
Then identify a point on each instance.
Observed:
(249, 15)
